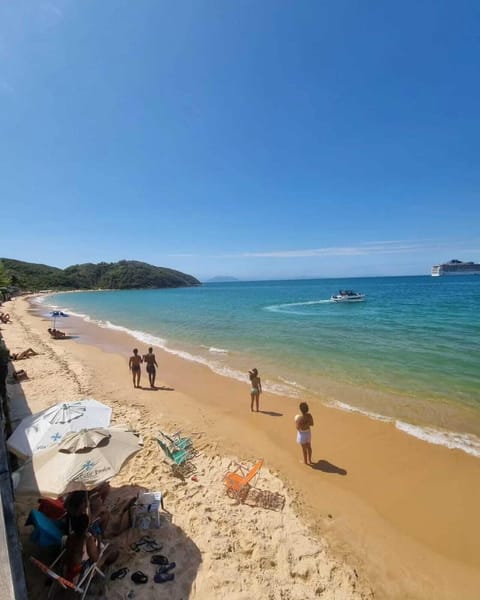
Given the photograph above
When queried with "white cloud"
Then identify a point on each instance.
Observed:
(366, 249)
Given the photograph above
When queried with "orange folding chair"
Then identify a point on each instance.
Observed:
(238, 482)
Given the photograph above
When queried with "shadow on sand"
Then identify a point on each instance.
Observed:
(271, 413)
(328, 467)
(176, 545)
(156, 388)
(265, 499)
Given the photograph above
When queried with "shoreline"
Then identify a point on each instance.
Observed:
(378, 400)
(380, 497)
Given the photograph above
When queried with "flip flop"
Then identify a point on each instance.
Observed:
(151, 547)
(159, 559)
(147, 544)
(163, 577)
(166, 568)
(119, 574)
(139, 577)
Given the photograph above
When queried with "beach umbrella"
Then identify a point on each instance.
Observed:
(57, 314)
(81, 461)
(41, 430)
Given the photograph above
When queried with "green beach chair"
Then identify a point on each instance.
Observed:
(177, 456)
(176, 442)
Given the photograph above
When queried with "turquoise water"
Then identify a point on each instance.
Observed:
(411, 351)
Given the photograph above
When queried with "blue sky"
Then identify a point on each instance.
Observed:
(257, 139)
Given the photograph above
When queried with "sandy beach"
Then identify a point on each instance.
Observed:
(381, 514)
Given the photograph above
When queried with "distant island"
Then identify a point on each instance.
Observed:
(122, 275)
(221, 279)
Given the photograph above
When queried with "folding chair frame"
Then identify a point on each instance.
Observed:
(84, 582)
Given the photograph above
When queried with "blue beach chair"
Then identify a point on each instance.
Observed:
(45, 531)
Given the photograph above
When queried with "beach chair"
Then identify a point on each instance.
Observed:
(52, 508)
(84, 581)
(46, 532)
(238, 481)
(178, 457)
(177, 442)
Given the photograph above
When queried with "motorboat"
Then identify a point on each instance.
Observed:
(348, 296)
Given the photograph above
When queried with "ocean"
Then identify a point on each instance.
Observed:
(409, 354)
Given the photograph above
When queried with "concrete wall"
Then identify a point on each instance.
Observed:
(12, 577)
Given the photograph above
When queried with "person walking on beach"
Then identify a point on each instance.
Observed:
(303, 422)
(256, 388)
(134, 366)
(151, 364)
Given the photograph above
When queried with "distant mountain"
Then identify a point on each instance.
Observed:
(122, 275)
(222, 279)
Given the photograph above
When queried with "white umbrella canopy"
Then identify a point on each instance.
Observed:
(41, 430)
(81, 461)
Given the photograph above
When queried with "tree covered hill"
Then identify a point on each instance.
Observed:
(125, 274)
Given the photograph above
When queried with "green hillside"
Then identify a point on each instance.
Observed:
(125, 274)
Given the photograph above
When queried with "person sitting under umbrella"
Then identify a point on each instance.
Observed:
(56, 333)
(80, 503)
(82, 548)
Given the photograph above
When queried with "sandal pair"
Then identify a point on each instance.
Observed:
(147, 544)
(166, 568)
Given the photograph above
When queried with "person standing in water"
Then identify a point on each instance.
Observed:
(303, 422)
(134, 365)
(151, 366)
(256, 388)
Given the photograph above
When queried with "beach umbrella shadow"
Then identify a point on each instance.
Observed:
(175, 545)
(328, 467)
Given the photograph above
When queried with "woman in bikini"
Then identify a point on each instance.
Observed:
(134, 365)
(256, 388)
(303, 422)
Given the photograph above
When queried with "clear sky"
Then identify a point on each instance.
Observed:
(256, 139)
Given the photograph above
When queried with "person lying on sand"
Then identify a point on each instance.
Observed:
(22, 355)
(56, 333)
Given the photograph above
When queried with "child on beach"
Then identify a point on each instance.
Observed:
(256, 388)
(303, 422)
(134, 366)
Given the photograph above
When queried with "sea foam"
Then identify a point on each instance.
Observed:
(453, 440)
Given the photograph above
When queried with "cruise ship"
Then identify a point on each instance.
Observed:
(456, 267)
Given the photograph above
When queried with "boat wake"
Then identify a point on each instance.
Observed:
(289, 307)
